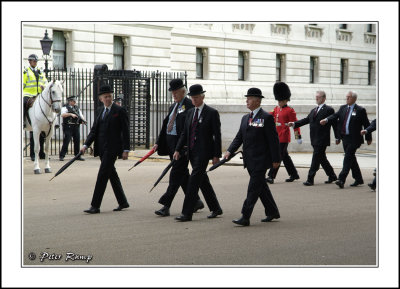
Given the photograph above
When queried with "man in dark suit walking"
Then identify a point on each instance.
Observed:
(110, 134)
(350, 119)
(165, 145)
(260, 141)
(320, 136)
(202, 135)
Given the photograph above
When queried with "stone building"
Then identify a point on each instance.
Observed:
(228, 58)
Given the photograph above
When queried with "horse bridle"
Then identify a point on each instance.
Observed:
(49, 104)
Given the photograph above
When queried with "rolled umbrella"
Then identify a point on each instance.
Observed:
(64, 167)
(165, 171)
(152, 151)
(221, 162)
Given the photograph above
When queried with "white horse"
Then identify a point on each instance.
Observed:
(43, 113)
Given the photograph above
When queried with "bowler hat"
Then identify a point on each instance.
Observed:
(281, 91)
(254, 92)
(71, 98)
(175, 84)
(105, 88)
(195, 89)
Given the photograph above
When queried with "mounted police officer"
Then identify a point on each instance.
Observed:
(72, 118)
(33, 81)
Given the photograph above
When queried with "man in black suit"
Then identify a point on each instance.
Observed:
(202, 135)
(260, 141)
(370, 129)
(350, 119)
(165, 145)
(110, 133)
(320, 136)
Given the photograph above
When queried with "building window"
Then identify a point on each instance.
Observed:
(371, 28)
(371, 72)
(199, 63)
(343, 71)
(118, 53)
(313, 69)
(241, 65)
(280, 67)
(343, 26)
(59, 50)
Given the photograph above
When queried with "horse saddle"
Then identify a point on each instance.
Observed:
(29, 102)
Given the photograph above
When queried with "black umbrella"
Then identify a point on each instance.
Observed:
(67, 165)
(224, 160)
(165, 171)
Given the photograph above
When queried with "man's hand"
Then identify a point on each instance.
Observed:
(338, 141)
(276, 165)
(42, 87)
(227, 155)
(323, 122)
(125, 155)
(215, 160)
(290, 124)
(155, 147)
(369, 142)
(73, 115)
(363, 132)
(176, 155)
(83, 150)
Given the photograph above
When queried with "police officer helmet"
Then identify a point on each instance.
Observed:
(33, 57)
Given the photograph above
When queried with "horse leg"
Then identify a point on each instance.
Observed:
(46, 152)
(36, 134)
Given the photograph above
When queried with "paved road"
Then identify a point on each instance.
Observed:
(319, 225)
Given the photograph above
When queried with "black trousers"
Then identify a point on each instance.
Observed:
(32, 145)
(199, 180)
(107, 172)
(70, 131)
(258, 188)
(350, 160)
(287, 161)
(319, 158)
(179, 174)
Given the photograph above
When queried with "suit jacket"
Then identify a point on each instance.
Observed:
(320, 135)
(372, 126)
(208, 133)
(260, 143)
(180, 123)
(117, 131)
(358, 119)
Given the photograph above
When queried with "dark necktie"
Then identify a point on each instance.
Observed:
(172, 120)
(193, 128)
(105, 113)
(315, 111)
(345, 121)
(251, 117)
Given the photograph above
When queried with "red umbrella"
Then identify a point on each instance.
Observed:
(152, 151)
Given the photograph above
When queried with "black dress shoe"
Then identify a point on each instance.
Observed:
(292, 178)
(308, 183)
(340, 184)
(183, 218)
(199, 205)
(32, 159)
(269, 180)
(372, 186)
(356, 183)
(331, 180)
(121, 207)
(92, 210)
(242, 221)
(42, 157)
(270, 218)
(62, 159)
(214, 214)
(164, 211)
(80, 159)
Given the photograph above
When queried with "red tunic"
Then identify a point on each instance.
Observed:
(282, 116)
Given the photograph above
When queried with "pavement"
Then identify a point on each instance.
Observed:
(320, 225)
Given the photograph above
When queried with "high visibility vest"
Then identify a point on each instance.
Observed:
(31, 85)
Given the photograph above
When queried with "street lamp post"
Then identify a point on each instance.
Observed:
(46, 43)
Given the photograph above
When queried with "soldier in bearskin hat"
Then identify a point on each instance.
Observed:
(283, 114)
